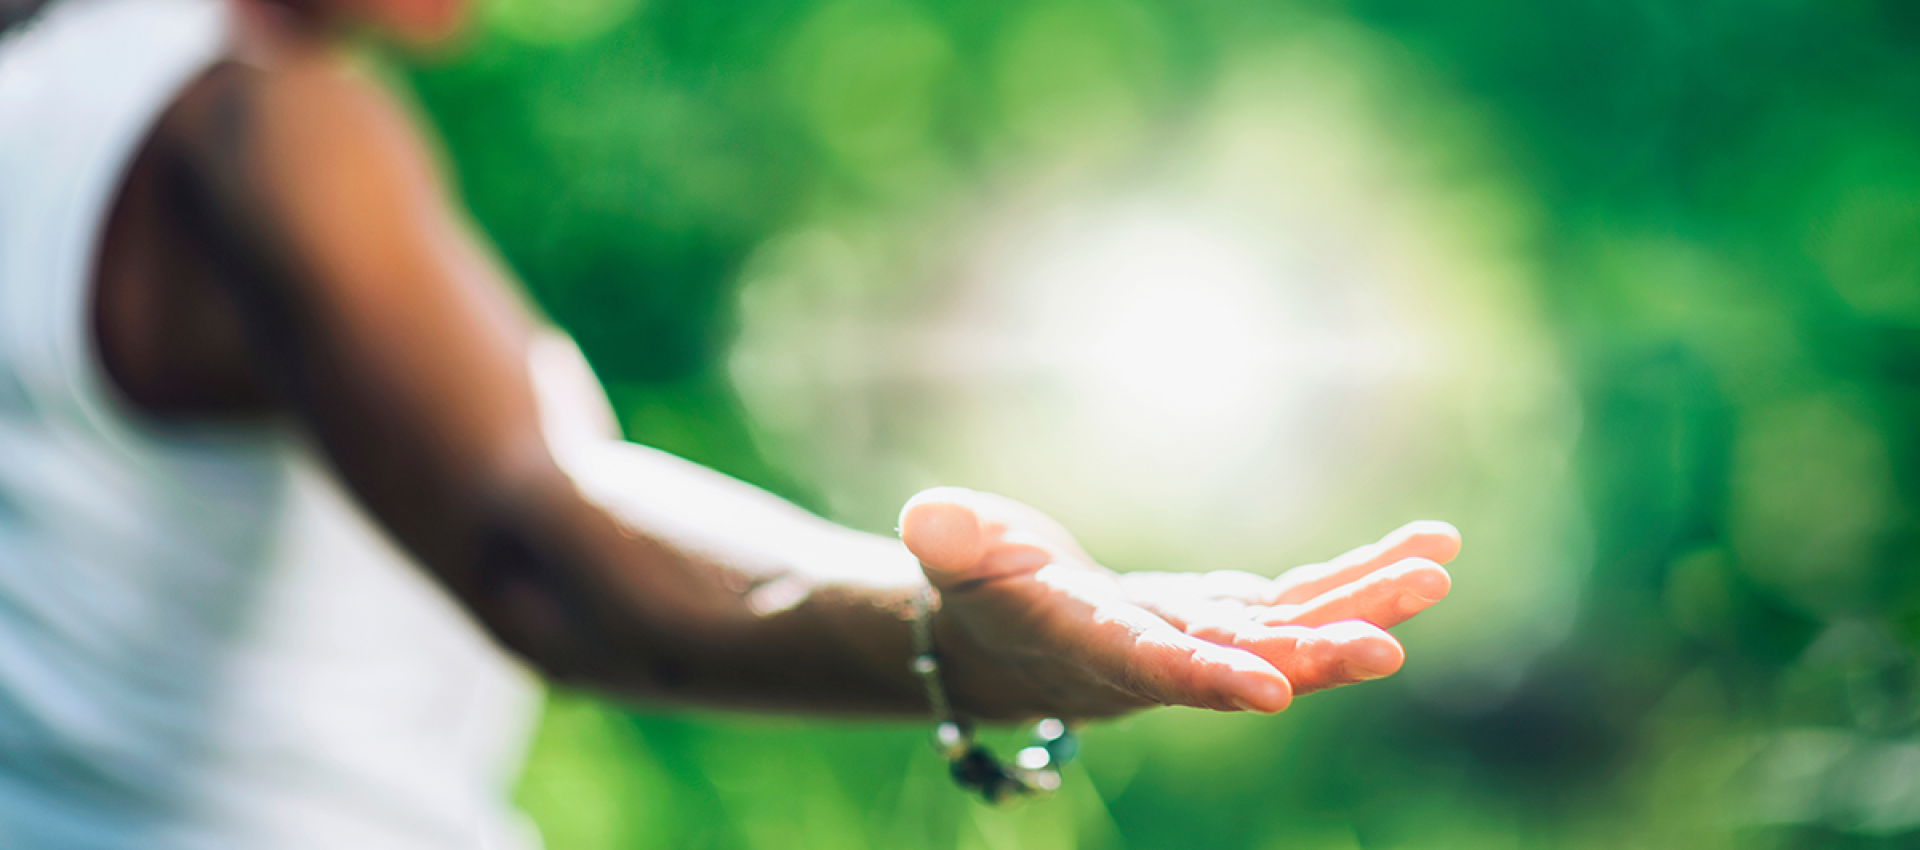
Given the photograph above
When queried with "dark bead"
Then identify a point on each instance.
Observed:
(978, 769)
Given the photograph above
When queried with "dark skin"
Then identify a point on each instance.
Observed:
(283, 254)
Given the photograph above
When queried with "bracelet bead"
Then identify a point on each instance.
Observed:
(950, 740)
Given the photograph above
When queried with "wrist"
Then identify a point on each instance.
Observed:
(1034, 770)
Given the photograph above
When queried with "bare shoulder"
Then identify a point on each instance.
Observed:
(223, 219)
(310, 129)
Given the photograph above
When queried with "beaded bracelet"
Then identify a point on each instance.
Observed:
(1036, 768)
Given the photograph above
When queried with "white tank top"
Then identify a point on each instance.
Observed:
(203, 642)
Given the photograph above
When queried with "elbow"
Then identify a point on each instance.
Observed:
(527, 599)
(545, 606)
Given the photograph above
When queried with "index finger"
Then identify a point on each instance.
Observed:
(1430, 539)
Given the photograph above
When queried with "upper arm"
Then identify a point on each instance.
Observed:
(390, 331)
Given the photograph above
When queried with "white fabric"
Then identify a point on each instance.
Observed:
(203, 642)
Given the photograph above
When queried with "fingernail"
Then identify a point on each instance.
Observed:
(1371, 661)
(1431, 583)
(1261, 694)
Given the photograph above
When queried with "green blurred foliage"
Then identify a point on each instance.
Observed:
(1724, 231)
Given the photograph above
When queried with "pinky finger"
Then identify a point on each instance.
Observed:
(1143, 654)
(1316, 658)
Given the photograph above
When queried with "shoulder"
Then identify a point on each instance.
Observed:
(309, 122)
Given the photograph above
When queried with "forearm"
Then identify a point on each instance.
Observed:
(642, 574)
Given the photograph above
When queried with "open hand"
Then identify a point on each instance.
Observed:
(1030, 625)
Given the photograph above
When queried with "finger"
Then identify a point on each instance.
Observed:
(1175, 668)
(1132, 649)
(1385, 598)
(1430, 539)
(964, 536)
(1315, 658)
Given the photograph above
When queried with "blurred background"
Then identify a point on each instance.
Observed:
(1629, 291)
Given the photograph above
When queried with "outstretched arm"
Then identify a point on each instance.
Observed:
(394, 337)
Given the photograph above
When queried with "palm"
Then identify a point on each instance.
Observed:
(1031, 625)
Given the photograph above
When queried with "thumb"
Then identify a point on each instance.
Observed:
(941, 528)
(963, 536)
